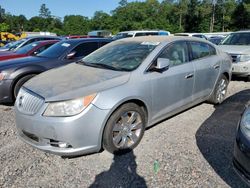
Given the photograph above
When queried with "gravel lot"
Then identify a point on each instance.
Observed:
(193, 149)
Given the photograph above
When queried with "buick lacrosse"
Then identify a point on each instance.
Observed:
(107, 99)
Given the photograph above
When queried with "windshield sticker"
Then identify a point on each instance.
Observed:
(150, 43)
(65, 44)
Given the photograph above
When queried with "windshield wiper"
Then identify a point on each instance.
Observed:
(100, 65)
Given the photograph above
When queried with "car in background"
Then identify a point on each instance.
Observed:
(241, 159)
(198, 35)
(28, 50)
(237, 45)
(216, 39)
(127, 34)
(6, 46)
(15, 72)
(25, 41)
(108, 98)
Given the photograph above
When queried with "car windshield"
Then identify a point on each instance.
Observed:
(56, 50)
(121, 56)
(27, 48)
(237, 39)
(14, 45)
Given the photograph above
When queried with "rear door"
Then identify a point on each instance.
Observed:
(207, 68)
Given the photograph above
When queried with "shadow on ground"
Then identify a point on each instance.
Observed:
(215, 137)
(122, 173)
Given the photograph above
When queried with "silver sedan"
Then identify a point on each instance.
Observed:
(107, 99)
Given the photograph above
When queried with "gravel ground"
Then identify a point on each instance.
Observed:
(192, 149)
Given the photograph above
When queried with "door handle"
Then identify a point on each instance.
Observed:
(216, 66)
(189, 76)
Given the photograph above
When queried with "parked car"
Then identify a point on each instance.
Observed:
(14, 73)
(6, 47)
(25, 41)
(237, 44)
(198, 35)
(127, 34)
(241, 159)
(109, 97)
(28, 50)
(216, 39)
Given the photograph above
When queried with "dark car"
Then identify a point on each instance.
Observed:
(25, 41)
(216, 39)
(14, 73)
(241, 159)
(28, 50)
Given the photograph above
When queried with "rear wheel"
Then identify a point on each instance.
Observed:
(219, 94)
(124, 129)
(20, 83)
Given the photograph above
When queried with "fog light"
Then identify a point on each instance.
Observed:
(245, 68)
(63, 145)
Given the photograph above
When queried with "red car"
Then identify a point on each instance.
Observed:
(28, 50)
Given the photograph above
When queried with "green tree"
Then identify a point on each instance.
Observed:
(2, 14)
(76, 25)
(4, 27)
(44, 12)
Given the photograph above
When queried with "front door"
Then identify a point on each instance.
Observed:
(173, 88)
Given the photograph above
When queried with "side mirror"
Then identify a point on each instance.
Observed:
(162, 65)
(35, 53)
(71, 55)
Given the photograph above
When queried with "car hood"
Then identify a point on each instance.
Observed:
(235, 49)
(74, 81)
(22, 60)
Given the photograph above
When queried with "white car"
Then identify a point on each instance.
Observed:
(237, 45)
(127, 34)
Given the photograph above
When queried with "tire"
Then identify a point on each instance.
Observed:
(220, 91)
(20, 83)
(124, 129)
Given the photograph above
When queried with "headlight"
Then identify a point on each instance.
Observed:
(68, 108)
(2, 75)
(245, 122)
(244, 58)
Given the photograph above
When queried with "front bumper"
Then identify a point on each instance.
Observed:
(241, 69)
(241, 159)
(5, 91)
(82, 133)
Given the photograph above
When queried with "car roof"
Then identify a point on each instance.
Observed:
(41, 36)
(88, 40)
(142, 31)
(243, 31)
(161, 39)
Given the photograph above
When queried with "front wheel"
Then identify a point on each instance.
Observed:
(219, 94)
(124, 129)
(20, 83)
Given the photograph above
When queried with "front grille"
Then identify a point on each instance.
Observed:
(28, 102)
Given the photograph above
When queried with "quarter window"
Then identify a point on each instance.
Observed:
(177, 53)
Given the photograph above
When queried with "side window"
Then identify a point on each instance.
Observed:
(101, 44)
(85, 48)
(200, 50)
(151, 33)
(177, 53)
(139, 34)
(42, 48)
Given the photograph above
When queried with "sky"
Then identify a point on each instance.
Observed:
(30, 8)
